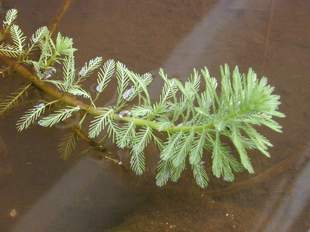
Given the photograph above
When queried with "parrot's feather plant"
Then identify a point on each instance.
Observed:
(190, 120)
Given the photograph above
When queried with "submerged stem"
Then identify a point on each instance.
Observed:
(73, 101)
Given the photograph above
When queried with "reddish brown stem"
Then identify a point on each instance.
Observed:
(61, 12)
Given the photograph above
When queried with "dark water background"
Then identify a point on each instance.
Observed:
(272, 36)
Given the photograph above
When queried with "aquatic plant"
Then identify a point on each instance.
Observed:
(188, 122)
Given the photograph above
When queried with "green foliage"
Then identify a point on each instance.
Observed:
(39, 34)
(122, 83)
(64, 45)
(105, 74)
(100, 122)
(125, 134)
(77, 90)
(30, 116)
(164, 171)
(190, 121)
(139, 143)
(18, 38)
(58, 116)
(9, 50)
(13, 100)
(10, 17)
(224, 164)
(68, 72)
(200, 175)
(67, 145)
(90, 67)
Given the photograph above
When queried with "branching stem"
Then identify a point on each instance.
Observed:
(73, 101)
(189, 121)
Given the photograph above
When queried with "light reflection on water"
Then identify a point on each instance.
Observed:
(84, 192)
(283, 210)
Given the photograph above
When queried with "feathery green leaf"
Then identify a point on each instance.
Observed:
(58, 116)
(197, 151)
(200, 175)
(18, 38)
(9, 50)
(67, 145)
(105, 74)
(30, 116)
(125, 135)
(13, 100)
(223, 163)
(140, 142)
(10, 17)
(89, 67)
(163, 172)
(98, 124)
(69, 72)
(245, 160)
(77, 90)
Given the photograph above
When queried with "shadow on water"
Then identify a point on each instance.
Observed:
(50, 195)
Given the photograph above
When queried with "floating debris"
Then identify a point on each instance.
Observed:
(83, 72)
(172, 226)
(13, 213)
(40, 105)
(98, 89)
(125, 113)
(49, 72)
(129, 93)
(4, 71)
(40, 123)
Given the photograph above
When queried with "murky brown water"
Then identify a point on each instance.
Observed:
(272, 36)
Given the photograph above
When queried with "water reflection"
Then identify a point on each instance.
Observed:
(192, 50)
(86, 193)
(289, 200)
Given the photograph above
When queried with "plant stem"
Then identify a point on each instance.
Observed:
(94, 144)
(73, 101)
(84, 137)
(154, 125)
(61, 12)
(16, 98)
